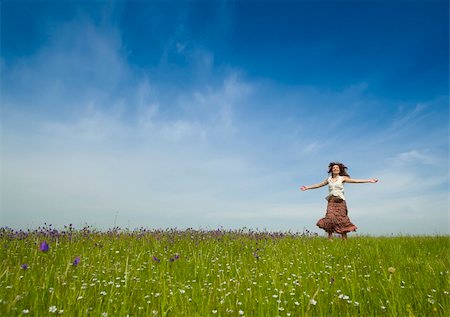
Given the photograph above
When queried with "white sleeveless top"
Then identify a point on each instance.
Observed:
(335, 188)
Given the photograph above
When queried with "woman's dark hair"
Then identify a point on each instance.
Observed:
(342, 167)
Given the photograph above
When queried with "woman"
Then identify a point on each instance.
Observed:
(336, 219)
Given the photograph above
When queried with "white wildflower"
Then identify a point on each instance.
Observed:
(52, 309)
(312, 301)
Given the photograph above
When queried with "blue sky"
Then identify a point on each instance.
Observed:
(213, 113)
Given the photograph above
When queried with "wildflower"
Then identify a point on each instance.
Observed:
(332, 280)
(103, 293)
(176, 256)
(391, 270)
(297, 303)
(44, 247)
(24, 266)
(104, 314)
(241, 312)
(76, 261)
(25, 311)
(156, 259)
(214, 311)
(312, 301)
(52, 309)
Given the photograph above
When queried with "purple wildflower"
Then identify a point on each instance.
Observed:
(177, 256)
(156, 259)
(171, 259)
(24, 266)
(44, 246)
(332, 280)
(76, 261)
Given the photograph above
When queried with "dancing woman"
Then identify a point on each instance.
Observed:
(336, 218)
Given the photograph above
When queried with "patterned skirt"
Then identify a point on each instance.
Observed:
(336, 219)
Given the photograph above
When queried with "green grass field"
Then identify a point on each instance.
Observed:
(220, 273)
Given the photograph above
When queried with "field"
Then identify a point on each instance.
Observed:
(86, 272)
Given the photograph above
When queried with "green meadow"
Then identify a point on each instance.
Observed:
(189, 272)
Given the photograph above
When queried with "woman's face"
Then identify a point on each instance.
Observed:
(335, 169)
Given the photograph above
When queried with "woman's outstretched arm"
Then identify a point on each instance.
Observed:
(303, 188)
(359, 181)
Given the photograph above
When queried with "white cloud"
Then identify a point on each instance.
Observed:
(414, 156)
(231, 151)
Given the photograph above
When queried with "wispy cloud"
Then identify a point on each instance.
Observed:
(95, 137)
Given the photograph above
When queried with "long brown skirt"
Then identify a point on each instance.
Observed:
(336, 219)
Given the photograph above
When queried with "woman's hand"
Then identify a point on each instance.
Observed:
(303, 188)
(373, 180)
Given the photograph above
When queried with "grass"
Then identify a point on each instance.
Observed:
(220, 273)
